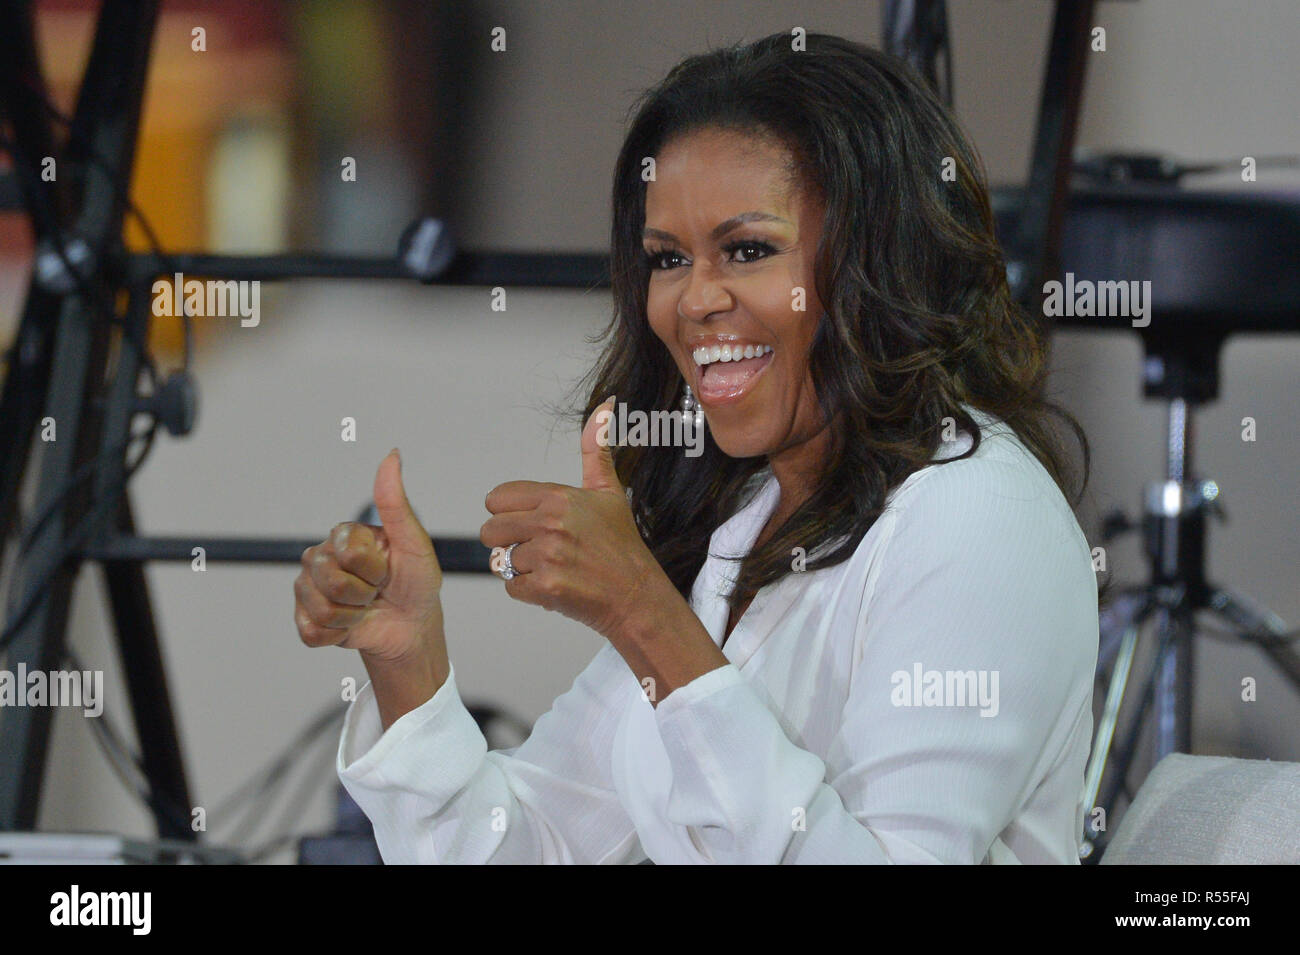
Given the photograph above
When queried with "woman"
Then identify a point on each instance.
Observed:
(861, 626)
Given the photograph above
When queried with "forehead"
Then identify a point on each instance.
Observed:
(714, 173)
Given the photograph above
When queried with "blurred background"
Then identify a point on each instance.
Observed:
(240, 152)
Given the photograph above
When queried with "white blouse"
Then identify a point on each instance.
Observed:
(929, 700)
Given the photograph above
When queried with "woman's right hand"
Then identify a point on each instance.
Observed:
(376, 590)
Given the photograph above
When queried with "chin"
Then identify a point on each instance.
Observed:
(735, 445)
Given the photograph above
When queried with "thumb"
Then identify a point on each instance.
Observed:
(598, 472)
(403, 529)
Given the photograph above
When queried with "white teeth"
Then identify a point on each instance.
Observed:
(705, 355)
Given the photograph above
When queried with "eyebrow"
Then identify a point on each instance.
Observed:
(721, 229)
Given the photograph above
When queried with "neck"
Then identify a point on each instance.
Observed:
(797, 470)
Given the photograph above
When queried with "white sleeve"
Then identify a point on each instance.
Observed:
(969, 583)
(435, 794)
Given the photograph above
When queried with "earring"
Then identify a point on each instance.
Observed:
(691, 408)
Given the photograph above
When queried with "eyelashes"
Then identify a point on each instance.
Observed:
(655, 257)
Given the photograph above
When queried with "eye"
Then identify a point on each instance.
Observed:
(749, 246)
(655, 258)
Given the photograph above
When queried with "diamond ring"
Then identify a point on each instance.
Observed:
(501, 564)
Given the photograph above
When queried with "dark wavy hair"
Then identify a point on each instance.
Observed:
(918, 315)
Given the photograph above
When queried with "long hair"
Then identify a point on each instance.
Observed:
(918, 315)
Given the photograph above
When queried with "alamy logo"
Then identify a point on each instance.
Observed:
(209, 299)
(75, 907)
(655, 429)
(84, 688)
(922, 687)
(1086, 299)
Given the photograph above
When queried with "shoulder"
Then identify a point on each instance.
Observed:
(982, 558)
(1002, 493)
(991, 533)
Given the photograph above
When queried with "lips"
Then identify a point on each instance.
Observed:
(726, 369)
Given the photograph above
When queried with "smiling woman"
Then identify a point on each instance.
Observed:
(801, 195)
(861, 626)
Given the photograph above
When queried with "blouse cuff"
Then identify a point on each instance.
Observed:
(702, 686)
(738, 781)
(433, 750)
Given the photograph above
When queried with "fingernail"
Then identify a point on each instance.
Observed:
(399, 457)
(608, 400)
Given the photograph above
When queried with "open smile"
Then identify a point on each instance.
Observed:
(726, 370)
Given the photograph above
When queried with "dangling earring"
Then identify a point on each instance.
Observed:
(691, 408)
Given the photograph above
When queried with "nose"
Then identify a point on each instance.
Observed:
(705, 294)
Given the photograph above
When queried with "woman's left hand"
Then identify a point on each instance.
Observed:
(578, 549)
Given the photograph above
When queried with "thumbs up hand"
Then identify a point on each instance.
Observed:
(373, 588)
(598, 472)
(578, 550)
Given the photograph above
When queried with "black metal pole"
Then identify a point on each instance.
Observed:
(21, 89)
(456, 555)
(529, 269)
(137, 632)
(106, 120)
(1035, 249)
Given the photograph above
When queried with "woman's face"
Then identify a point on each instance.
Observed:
(733, 244)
